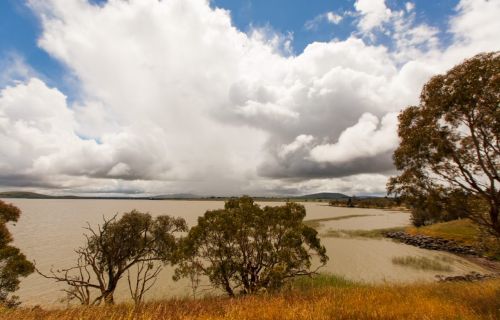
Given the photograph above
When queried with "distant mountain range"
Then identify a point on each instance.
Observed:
(323, 195)
(33, 195)
(178, 196)
(23, 194)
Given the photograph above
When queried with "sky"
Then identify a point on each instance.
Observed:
(221, 97)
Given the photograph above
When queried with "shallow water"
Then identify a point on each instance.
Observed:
(49, 231)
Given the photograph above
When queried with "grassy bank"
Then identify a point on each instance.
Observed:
(463, 232)
(345, 301)
(373, 233)
(316, 223)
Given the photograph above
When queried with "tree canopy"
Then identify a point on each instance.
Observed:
(113, 248)
(450, 142)
(13, 264)
(244, 248)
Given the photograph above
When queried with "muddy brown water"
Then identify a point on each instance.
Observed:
(49, 231)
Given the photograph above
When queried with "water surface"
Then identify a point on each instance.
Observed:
(49, 230)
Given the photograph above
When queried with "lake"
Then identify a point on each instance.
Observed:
(49, 230)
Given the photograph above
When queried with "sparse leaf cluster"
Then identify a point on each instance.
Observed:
(136, 240)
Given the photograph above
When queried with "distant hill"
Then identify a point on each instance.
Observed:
(177, 196)
(23, 194)
(33, 195)
(324, 195)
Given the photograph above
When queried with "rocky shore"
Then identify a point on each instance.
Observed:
(468, 252)
(431, 243)
(470, 277)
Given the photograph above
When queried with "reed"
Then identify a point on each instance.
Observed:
(425, 301)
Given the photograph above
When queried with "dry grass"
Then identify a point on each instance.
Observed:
(431, 301)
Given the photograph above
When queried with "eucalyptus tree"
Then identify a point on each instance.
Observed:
(245, 249)
(450, 142)
(13, 263)
(113, 248)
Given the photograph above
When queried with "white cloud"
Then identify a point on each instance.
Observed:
(334, 18)
(13, 68)
(329, 17)
(373, 14)
(299, 142)
(175, 99)
(363, 140)
(409, 6)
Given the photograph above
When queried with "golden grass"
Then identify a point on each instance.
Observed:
(430, 301)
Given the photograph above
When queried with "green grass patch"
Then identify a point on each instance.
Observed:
(463, 231)
(421, 263)
(375, 233)
(322, 280)
(316, 223)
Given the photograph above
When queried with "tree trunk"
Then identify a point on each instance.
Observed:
(494, 219)
(108, 295)
(109, 298)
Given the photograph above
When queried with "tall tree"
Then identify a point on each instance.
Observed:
(113, 248)
(450, 141)
(245, 248)
(13, 264)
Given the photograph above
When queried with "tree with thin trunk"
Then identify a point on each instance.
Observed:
(113, 248)
(142, 278)
(245, 249)
(450, 142)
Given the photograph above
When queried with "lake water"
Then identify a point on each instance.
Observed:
(49, 231)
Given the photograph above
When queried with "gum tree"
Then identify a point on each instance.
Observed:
(111, 250)
(450, 142)
(245, 249)
(13, 264)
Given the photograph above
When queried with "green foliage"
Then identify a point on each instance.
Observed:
(440, 204)
(421, 263)
(374, 233)
(113, 248)
(322, 280)
(375, 203)
(248, 248)
(13, 264)
(316, 223)
(450, 146)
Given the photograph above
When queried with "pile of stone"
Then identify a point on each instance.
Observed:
(470, 277)
(431, 243)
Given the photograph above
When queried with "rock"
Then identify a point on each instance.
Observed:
(426, 242)
(469, 277)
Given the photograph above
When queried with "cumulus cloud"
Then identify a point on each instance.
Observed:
(373, 14)
(363, 140)
(174, 98)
